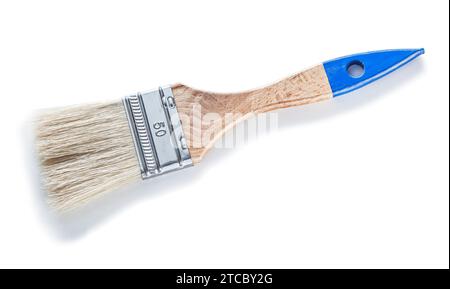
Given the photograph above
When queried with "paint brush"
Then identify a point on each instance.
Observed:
(88, 150)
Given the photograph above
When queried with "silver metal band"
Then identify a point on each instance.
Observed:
(157, 132)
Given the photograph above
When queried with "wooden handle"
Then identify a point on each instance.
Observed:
(203, 114)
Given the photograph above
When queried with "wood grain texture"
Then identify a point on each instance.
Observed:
(206, 115)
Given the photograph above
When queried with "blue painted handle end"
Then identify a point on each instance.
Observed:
(371, 65)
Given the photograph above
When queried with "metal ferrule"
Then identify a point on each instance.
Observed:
(157, 132)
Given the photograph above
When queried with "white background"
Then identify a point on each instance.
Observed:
(360, 181)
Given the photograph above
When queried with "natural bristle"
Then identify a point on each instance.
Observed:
(85, 151)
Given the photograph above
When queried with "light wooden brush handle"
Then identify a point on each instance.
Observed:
(193, 105)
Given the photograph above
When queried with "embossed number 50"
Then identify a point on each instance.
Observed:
(160, 128)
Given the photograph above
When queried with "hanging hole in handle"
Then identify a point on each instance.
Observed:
(355, 69)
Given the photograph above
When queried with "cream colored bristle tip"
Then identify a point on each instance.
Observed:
(84, 152)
